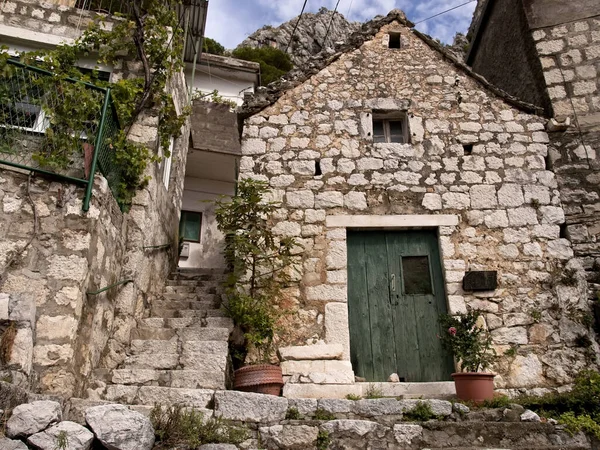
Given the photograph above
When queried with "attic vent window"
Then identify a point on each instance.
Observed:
(394, 40)
(391, 127)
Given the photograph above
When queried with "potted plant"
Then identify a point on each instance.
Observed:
(472, 347)
(259, 263)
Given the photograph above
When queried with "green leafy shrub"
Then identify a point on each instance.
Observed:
(498, 401)
(259, 262)
(323, 414)
(422, 412)
(323, 440)
(576, 423)
(293, 414)
(274, 63)
(353, 397)
(373, 392)
(470, 343)
(175, 426)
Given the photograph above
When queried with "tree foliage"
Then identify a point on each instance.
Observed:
(259, 262)
(213, 47)
(274, 63)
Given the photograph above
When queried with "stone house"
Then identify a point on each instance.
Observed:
(404, 174)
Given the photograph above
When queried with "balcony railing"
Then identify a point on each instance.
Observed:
(46, 127)
(104, 6)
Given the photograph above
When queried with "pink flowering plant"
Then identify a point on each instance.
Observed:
(470, 343)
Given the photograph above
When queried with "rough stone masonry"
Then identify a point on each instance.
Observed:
(473, 158)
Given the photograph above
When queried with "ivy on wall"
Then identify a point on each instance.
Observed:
(150, 35)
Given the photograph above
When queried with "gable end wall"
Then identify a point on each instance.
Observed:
(507, 205)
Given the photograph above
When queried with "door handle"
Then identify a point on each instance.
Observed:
(393, 281)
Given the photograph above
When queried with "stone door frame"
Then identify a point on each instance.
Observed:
(337, 326)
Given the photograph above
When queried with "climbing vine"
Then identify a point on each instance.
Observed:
(150, 34)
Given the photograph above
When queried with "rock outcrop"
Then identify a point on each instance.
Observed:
(309, 38)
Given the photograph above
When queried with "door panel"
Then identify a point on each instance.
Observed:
(395, 295)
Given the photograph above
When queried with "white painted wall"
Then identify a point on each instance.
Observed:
(230, 84)
(198, 195)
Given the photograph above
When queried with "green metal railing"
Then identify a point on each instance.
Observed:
(38, 134)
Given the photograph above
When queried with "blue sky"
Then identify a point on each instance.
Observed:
(230, 21)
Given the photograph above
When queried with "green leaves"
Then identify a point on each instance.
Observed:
(274, 63)
(469, 342)
(259, 263)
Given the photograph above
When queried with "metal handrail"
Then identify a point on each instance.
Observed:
(14, 122)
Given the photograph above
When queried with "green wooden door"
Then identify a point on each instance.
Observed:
(395, 295)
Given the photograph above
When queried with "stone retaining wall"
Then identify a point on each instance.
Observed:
(497, 203)
(63, 333)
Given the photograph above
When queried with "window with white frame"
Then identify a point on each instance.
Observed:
(390, 127)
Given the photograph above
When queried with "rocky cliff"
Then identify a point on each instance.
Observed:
(309, 38)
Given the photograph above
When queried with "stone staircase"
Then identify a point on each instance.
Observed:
(180, 353)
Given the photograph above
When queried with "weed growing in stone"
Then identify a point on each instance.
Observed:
(536, 315)
(323, 440)
(6, 342)
(293, 414)
(373, 392)
(353, 397)
(176, 427)
(422, 412)
(512, 351)
(323, 414)
(574, 424)
(62, 441)
(499, 401)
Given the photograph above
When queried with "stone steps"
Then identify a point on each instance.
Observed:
(190, 333)
(438, 389)
(182, 313)
(178, 352)
(183, 322)
(184, 304)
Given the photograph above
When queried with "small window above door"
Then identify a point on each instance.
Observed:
(395, 41)
(390, 128)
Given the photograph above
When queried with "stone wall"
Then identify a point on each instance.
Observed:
(570, 55)
(504, 36)
(59, 21)
(63, 332)
(497, 204)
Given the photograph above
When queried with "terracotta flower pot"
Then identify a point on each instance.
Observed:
(262, 379)
(474, 386)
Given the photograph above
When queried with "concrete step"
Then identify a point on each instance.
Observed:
(151, 395)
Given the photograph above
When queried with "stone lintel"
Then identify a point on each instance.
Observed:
(397, 221)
